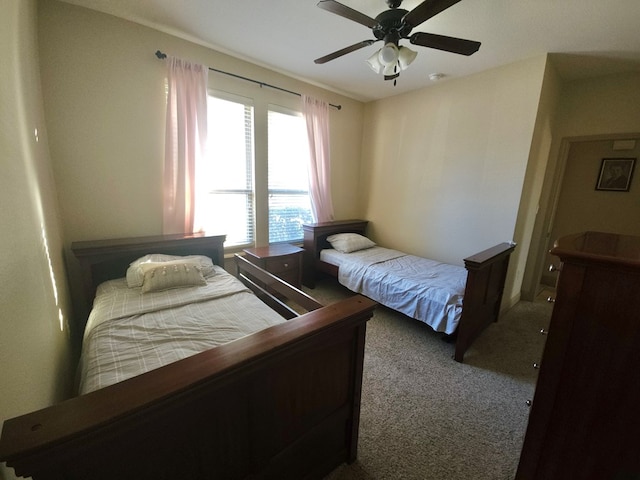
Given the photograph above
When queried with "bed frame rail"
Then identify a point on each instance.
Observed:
(264, 284)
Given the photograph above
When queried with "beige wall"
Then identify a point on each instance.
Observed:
(581, 207)
(525, 276)
(104, 99)
(34, 341)
(603, 105)
(444, 167)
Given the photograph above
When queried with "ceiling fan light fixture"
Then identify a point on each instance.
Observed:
(394, 25)
(388, 60)
(405, 57)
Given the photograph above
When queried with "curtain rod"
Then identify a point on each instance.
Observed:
(162, 56)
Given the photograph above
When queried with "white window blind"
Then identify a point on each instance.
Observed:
(288, 183)
(226, 205)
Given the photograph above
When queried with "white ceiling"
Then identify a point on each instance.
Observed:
(590, 37)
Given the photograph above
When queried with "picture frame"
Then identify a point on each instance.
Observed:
(615, 174)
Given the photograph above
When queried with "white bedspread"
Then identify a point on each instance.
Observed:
(129, 333)
(420, 288)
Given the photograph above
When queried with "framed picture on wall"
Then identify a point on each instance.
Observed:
(615, 174)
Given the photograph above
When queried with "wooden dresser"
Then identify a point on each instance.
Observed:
(585, 418)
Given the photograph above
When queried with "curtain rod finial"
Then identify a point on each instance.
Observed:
(161, 55)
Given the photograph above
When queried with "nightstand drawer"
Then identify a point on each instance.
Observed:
(278, 265)
(282, 260)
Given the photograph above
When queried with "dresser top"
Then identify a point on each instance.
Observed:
(599, 247)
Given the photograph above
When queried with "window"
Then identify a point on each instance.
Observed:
(288, 183)
(226, 201)
(228, 180)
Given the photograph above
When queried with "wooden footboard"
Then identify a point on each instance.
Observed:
(281, 403)
(486, 274)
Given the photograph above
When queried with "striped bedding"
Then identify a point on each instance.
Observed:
(129, 333)
(420, 288)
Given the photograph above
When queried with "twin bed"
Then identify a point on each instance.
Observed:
(458, 301)
(266, 393)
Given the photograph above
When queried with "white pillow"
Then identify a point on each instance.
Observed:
(165, 275)
(135, 275)
(349, 242)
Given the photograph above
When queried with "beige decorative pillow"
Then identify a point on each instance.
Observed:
(135, 275)
(349, 242)
(166, 275)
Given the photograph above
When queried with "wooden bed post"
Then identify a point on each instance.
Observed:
(356, 397)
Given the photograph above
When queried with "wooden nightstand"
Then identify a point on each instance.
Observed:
(282, 260)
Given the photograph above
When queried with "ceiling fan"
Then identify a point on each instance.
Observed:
(391, 26)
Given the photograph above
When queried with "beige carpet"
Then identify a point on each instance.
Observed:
(425, 416)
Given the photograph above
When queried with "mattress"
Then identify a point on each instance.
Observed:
(424, 289)
(129, 332)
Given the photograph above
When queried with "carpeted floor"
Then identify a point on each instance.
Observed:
(425, 416)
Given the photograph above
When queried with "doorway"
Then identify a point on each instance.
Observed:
(575, 205)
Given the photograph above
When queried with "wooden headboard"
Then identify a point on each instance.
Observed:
(102, 260)
(315, 239)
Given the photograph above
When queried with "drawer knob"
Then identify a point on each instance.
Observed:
(529, 403)
(551, 300)
(543, 332)
(536, 365)
(286, 265)
(553, 268)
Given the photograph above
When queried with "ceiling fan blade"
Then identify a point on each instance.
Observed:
(347, 12)
(448, 44)
(344, 51)
(426, 10)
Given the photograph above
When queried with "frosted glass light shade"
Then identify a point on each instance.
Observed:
(374, 62)
(405, 57)
(390, 70)
(389, 54)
